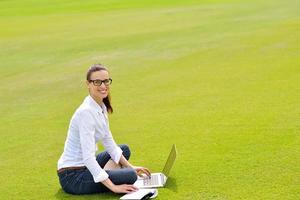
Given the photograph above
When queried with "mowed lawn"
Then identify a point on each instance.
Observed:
(219, 78)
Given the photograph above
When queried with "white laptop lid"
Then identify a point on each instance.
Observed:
(170, 161)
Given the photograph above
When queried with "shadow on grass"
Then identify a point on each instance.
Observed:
(171, 184)
(63, 195)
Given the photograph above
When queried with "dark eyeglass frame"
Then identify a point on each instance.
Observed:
(106, 82)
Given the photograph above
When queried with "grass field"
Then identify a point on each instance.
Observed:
(219, 78)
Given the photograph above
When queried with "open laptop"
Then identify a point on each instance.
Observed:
(158, 179)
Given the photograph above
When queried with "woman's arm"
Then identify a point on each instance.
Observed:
(124, 188)
(124, 162)
(139, 170)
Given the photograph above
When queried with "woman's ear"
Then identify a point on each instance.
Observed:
(87, 84)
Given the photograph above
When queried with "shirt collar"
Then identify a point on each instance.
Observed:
(95, 105)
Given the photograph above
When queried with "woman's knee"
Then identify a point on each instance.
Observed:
(126, 151)
(131, 176)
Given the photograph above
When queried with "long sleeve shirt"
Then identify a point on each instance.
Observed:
(89, 125)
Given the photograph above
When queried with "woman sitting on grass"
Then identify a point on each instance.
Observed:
(80, 170)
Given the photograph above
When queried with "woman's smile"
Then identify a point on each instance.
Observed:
(103, 91)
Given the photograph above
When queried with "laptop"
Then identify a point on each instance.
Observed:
(158, 179)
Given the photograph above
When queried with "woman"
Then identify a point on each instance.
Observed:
(80, 170)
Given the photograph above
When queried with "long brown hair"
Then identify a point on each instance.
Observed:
(106, 100)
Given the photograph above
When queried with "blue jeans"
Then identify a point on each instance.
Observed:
(81, 181)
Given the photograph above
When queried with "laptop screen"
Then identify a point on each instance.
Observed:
(170, 161)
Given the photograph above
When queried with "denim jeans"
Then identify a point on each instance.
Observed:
(80, 181)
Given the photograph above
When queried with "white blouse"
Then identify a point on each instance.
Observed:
(88, 125)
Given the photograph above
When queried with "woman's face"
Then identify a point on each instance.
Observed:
(98, 92)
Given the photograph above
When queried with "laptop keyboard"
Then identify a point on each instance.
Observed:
(153, 180)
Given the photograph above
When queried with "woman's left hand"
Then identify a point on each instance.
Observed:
(142, 170)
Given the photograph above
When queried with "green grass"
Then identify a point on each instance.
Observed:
(219, 78)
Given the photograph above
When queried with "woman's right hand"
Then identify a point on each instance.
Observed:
(124, 188)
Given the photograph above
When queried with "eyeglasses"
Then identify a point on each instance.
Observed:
(98, 82)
